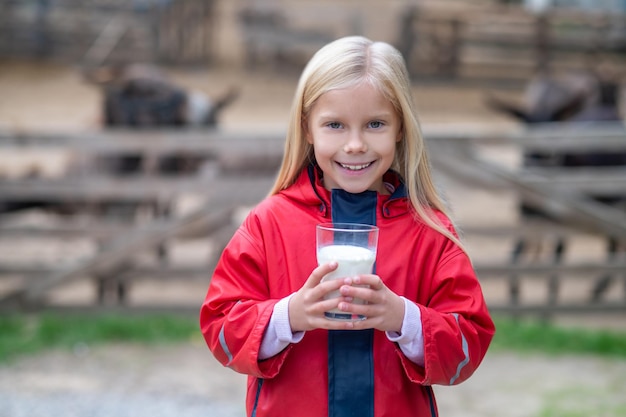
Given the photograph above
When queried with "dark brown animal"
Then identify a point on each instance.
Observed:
(569, 98)
(141, 96)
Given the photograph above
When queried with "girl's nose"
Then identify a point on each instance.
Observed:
(355, 143)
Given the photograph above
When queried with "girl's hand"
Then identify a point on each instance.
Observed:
(384, 309)
(307, 305)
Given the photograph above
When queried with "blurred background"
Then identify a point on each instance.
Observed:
(136, 134)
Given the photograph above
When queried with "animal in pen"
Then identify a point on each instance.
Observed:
(571, 98)
(141, 96)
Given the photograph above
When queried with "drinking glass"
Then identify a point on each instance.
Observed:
(353, 246)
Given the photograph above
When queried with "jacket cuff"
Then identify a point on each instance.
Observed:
(278, 334)
(280, 317)
(411, 338)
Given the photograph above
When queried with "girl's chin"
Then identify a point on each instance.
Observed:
(356, 189)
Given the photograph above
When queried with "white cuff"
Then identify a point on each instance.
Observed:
(280, 319)
(278, 334)
(411, 337)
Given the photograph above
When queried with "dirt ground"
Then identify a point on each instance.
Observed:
(184, 380)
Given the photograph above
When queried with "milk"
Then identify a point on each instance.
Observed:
(351, 261)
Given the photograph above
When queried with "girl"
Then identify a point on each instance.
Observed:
(354, 153)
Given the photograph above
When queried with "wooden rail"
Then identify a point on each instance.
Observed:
(563, 195)
(243, 170)
(244, 166)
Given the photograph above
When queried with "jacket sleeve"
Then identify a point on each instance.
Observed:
(237, 307)
(457, 327)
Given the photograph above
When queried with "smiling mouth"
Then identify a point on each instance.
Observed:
(355, 167)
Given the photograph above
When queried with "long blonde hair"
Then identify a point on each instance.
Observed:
(345, 62)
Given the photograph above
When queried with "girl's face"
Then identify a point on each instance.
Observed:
(354, 133)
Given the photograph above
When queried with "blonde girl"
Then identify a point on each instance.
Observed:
(344, 63)
(353, 154)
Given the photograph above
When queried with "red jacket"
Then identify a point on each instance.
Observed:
(343, 373)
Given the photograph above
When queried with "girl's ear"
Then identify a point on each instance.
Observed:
(305, 131)
(400, 135)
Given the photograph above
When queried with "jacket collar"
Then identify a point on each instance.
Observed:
(309, 190)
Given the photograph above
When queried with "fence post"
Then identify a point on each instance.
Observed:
(542, 43)
(43, 45)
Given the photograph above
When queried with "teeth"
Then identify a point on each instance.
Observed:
(355, 167)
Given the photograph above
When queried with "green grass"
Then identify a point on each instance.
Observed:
(29, 334)
(537, 336)
(582, 401)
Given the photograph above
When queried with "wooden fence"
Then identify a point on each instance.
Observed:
(507, 43)
(241, 170)
(566, 194)
(96, 32)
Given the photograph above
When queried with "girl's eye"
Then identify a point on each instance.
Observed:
(334, 125)
(375, 124)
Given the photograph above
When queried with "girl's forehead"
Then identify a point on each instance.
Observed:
(354, 92)
(363, 82)
(350, 93)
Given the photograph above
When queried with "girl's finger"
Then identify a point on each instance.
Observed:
(373, 281)
(319, 273)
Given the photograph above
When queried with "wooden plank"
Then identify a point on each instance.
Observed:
(121, 309)
(527, 229)
(548, 309)
(546, 137)
(91, 190)
(597, 182)
(115, 251)
(154, 141)
(571, 137)
(536, 270)
(125, 246)
(134, 273)
(570, 207)
(96, 228)
(106, 41)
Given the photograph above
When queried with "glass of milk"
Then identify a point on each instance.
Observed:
(353, 247)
